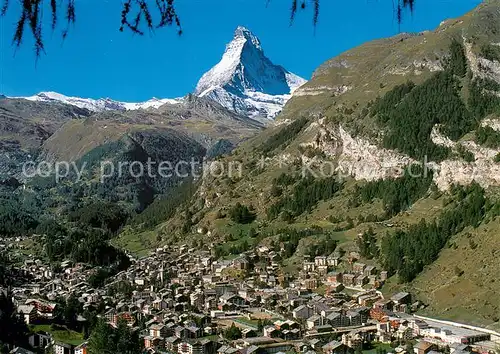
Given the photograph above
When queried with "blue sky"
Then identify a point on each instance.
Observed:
(97, 60)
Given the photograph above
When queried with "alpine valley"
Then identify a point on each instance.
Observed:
(324, 168)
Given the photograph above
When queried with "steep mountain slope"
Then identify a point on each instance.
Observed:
(50, 133)
(246, 81)
(368, 71)
(355, 128)
(24, 127)
(203, 120)
(344, 88)
(124, 169)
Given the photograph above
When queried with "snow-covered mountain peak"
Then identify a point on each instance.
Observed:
(231, 62)
(244, 33)
(246, 81)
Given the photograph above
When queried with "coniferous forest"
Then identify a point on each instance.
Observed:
(408, 252)
(410, 112)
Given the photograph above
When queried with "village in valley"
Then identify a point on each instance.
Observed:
(183, 300)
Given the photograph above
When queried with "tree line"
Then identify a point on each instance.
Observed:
(283, 136)
(409, 112)
(397, 194)
(305, 195)
(407, 252)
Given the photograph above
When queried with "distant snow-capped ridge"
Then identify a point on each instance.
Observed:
(101, 104)
(246, 81)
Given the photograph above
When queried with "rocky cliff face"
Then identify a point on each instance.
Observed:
(364, 160)
(342, 88)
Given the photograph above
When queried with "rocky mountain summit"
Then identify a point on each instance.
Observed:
(246, 81)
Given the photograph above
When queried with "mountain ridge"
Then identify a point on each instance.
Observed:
(99, 105)
(346, 119)
(235, 83)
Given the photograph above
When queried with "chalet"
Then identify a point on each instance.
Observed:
(423, 347)
(361, 280)
(370, 270)
(44, 309)
(359, 267)
(320, 261)
(194, 332)
(153, 342)
(401, 298)
(232, 299)
(334, 277)
(171, 343)
(353, 340)
(203, 346)
(334, 260)
(349, 279)
(288, 324)
(309, 267)
(271, 332)
(40, 339)
(302, 312)
(248, 333)
(63, 348)
(338, 319)
(28, 313)
(241, 264)
(314, 321)
(158, 330)
(354, 318)
(322, 270)
(335, 347)
(82, 349)
(311, 283)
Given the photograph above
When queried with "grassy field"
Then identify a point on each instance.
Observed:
(247, 322)
(137, 243)
(380, 346)
(61, 335)
(461, 285)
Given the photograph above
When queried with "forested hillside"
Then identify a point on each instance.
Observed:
(390, 156)
(372, 157)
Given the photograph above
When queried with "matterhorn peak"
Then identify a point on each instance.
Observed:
(246, 81)
(245, 34)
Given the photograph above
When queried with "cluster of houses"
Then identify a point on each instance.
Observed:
(337, 274)
(182, 300)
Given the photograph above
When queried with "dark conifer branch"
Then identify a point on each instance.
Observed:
(136, 15)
